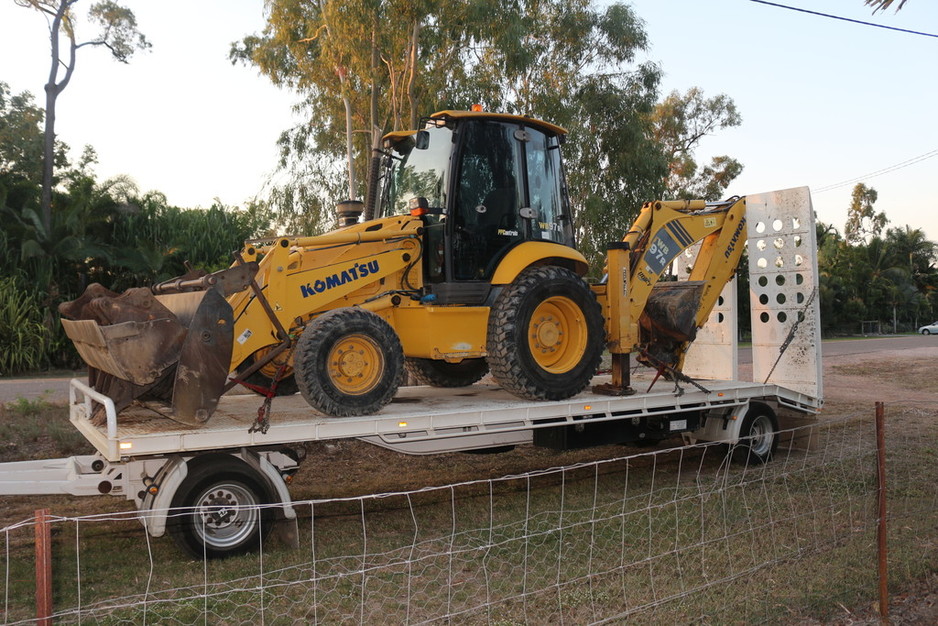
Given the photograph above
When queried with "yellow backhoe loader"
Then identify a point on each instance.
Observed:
(464, 264)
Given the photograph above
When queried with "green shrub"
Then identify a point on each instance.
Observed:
(23, 337)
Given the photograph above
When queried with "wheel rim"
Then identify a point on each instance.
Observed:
(271, 368)
(557, 335)
(355, 364)
(761, 436)
(226, 515)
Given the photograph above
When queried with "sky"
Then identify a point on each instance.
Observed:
(823, 101)
(180, 119)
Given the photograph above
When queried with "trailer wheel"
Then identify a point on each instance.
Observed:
(438, 373)
(758, 436)
(218, 509)
(349, 362)
(546, 335)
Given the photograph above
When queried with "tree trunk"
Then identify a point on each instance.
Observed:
(350, 148)
(48, 156)
(371, 185)
(411, 96)
(53, 89)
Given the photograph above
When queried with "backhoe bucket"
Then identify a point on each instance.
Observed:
(672, 309)
(670, 319)
(175, 347)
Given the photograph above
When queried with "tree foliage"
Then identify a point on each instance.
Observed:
(863, 222)
(681, 121)
(882, 5)
(885, 275)
(365, 67)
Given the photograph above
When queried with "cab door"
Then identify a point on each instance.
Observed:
(508, 189)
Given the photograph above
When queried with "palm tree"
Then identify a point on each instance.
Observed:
(882, 5)
(909, 247)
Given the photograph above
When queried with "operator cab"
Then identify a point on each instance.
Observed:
(483, 183)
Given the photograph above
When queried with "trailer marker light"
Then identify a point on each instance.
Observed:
(588, 407)
(153, 490)
(125, 445)
(720, 394)
(402, 424)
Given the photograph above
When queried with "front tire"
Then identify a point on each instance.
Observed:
(546, 335)
(758, 436)
(348, 362)
(438, 373)
(218, 509)
(925, 331)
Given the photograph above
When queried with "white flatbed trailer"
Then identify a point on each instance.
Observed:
(221, 471)
(421, 420)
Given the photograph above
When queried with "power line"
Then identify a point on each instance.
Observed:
(845, 19)
(885, 170)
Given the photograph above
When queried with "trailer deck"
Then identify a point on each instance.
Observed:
(416, 414)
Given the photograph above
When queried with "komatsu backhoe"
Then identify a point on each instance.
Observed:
(464, 264)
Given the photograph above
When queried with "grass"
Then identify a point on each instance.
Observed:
(668, 538)
(38, 429)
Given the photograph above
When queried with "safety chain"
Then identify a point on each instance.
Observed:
(262, 422)
(678, 375)
(791, 333)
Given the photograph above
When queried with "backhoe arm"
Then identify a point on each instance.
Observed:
(656, 318)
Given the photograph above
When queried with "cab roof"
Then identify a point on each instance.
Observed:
(397, 135)
(504, 117)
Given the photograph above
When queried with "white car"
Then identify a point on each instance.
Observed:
(931, 329)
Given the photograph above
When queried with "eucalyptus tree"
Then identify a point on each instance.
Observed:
(863, 221)
(681, 121)
(366, 67)
(117, 33)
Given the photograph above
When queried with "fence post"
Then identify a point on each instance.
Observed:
(43, 567)
(881, 499)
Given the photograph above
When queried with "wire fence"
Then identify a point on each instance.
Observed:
(678, 535)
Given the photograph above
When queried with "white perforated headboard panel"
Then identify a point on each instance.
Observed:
(783, 278)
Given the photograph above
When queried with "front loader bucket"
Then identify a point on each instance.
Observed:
(175, 348)
(138, 352)
(204, 359)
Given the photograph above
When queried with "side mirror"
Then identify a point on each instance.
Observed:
(422, 140)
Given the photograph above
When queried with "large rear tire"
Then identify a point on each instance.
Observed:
(348, 362)
(546, 335)
(438, 373)
(218, 508)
